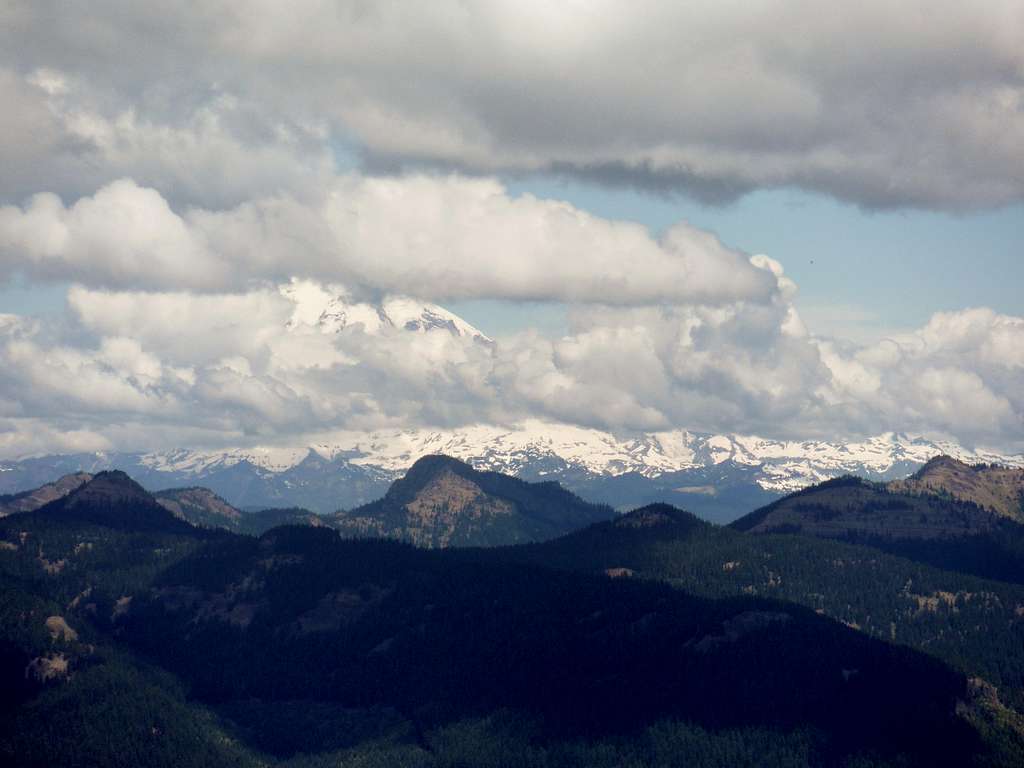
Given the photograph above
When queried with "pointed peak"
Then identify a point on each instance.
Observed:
(113, 500)
(425, 470)
(313, 457)
(437, 461)
(110, 486)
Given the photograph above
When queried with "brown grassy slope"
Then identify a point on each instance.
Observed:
(999, 489)
(44, 494)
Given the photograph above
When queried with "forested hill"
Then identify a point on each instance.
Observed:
(849, 507)
(443, 502)
(924, 523)
(28, 501)
(975, 624)
(200, 506)
(437, 638)
(111, 499)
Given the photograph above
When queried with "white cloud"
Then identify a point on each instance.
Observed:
(25, 437)
(123, 235)
(960, 373)
(185, 328)
(137, 369)
(434, 237)
(981, 335)
(103, 381)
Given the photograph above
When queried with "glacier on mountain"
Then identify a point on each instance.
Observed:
(333, 308)
(782, 466)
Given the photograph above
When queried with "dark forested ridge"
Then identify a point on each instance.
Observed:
(850, 506)
(441, 638)
(975, 624)
(113, 500)
(129, 637)
(918, 518)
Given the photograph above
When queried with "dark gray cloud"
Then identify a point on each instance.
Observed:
(885, 105)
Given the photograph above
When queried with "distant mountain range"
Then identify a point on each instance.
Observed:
(719, 477)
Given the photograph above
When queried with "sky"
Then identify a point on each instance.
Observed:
(784, 219)
(862, 274)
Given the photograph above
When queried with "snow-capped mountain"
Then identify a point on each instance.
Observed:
(720, 476)
(332, 309)
(783, 466)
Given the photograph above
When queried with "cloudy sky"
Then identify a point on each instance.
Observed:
(788, 219)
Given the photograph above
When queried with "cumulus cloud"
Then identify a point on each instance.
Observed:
(909, 104)
(25, 437)
(445, 237)
(125, 233)
(962, 373)
(62, 133)
(136, 370)
(186, 328)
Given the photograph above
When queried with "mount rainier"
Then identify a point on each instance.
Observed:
(718, 476)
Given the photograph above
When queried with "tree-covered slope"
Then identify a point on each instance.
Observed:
(972, 623)
(851, 507)
(199, 506)
(437, 637)
(443, 502)
(925, 525)
(69, 695)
